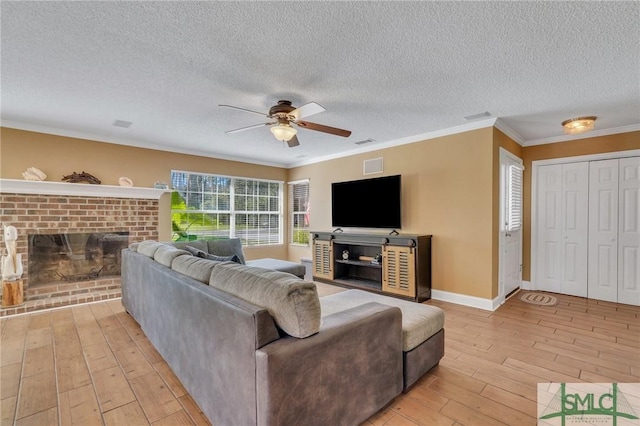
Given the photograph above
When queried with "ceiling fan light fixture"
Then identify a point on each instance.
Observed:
(574, 126)
(283, 132)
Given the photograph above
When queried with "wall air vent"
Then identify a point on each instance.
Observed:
(372, 166)
(478, 116)
(122, 123)
(365, 141)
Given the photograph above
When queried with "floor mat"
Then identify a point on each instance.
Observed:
(539, 299)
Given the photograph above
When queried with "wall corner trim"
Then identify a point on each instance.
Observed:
(463, 299)
(526, 285)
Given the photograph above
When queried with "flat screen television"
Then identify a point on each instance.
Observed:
(367, 203)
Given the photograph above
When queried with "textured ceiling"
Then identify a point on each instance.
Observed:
(390, 71)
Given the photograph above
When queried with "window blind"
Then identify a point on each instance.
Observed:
(206, 206)
(514, 198)
(299, 210)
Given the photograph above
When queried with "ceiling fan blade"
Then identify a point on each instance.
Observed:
(293, 141)
(244, 109)
(242, 129)
(323, 128)
(306, 110)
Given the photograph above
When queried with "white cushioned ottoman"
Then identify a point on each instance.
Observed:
(422, 328)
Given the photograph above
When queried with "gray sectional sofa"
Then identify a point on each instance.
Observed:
(255, 346)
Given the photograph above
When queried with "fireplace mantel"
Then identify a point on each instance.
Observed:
(18, 186)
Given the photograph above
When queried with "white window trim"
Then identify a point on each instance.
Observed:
(232, 212)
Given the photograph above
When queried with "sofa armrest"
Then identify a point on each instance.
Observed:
(341, 376)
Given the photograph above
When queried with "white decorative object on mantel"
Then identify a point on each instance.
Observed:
(63, 188)
(33, 173)
(12, 262)
(125, 181)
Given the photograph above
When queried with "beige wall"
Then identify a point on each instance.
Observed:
(58, 156)
(595, 145)
(447, 187)
(450, 188)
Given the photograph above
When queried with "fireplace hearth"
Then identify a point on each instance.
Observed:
(74, 257)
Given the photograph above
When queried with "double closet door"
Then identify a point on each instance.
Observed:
(588, 229)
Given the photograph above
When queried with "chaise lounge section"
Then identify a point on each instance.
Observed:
(422, 329)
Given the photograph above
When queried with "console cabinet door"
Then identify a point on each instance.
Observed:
(322, 259)
(399, 270)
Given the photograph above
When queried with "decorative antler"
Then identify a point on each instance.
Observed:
(81, 177)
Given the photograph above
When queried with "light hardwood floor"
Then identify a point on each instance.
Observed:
(92, 364)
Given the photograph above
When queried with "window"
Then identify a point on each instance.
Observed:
(299, 212)
(207, 206)
(514, 197)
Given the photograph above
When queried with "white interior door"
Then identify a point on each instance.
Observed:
(603, 230)
(562, 242)
(629, 231)
(574, 213)
(549, 229)
(611, 211)
(511, 223)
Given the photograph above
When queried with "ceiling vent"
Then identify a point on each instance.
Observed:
(122, 123)
(372, 166)
(478, 116)
(365, 141)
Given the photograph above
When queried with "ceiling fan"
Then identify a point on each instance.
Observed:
(283, 115)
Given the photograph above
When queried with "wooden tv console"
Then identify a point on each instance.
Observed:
(404, 269)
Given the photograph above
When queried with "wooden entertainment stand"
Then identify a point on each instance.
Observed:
(404, 268)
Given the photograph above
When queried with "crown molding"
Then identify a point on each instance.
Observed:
(19, 125)
(586, 135)
(502, 126)
(402, 141)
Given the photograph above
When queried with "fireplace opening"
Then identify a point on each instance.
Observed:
(72, 257)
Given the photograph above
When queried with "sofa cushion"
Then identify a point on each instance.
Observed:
(233, 258)
(134, 246)
(195, 251)
(149, 247)
(227, 247)
(164, 255)
(204, 255)
(419, 321)
(194, 267)
(292, 302)
(198, 244)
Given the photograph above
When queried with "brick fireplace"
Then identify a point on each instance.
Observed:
(46, 210)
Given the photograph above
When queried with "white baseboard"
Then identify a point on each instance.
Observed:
(526, 285)
(463, 299)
